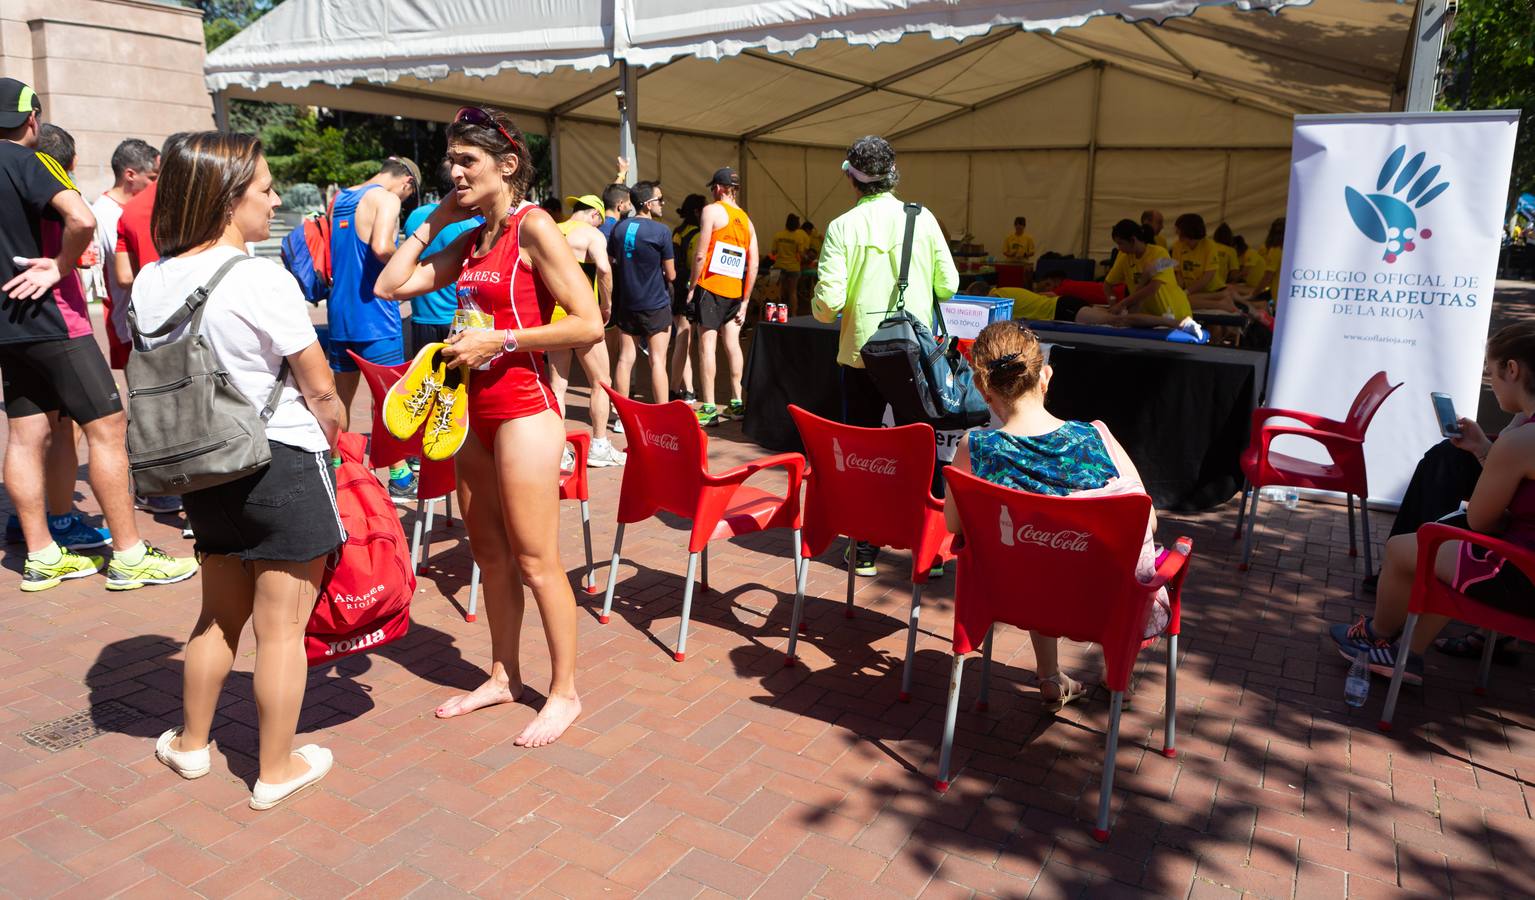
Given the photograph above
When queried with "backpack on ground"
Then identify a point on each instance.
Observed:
(306, 254)
(189, 427)
(365, 598)
(922, 376)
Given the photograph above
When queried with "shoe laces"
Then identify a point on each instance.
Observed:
(443, 419)
(1360, 631)
(416, 402)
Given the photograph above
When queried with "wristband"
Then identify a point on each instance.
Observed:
(509, 343)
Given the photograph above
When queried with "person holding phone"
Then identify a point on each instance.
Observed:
(1502, 503)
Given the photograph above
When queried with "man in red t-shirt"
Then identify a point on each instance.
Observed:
(135, 247)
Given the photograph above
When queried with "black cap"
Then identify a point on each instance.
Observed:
(17, 101)
(725, 177)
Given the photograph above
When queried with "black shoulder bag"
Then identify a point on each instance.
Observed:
(923, 377)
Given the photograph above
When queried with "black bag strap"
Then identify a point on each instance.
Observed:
(904, 277)
(191, 308)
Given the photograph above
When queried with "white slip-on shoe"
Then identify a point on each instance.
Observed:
(186, 763)
(266, 796)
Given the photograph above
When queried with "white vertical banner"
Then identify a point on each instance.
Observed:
(1391, 250)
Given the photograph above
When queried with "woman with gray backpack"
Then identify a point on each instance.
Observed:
(218, 334)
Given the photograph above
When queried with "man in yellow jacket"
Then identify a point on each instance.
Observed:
(859, 266)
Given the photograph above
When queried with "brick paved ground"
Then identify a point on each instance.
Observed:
(729, 775)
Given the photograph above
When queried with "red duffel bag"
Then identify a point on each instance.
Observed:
(365, 597)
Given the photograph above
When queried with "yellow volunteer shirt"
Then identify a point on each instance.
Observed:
(1027, 304)
(788, 248)
(1160, 241)
(1194, 262)
(1153, 265)
(1230, 265)
(1018, 247)
(1257, 267)
(1274, 257)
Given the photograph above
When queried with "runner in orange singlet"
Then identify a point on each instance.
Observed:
(724, 271)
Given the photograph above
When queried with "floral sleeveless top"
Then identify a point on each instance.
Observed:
(1069, 459)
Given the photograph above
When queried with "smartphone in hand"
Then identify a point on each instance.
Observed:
(1444, 411)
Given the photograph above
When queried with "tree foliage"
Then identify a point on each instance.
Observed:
(1490, 64)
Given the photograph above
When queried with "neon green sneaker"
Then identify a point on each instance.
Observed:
(708, 414)
(735, 412)
(40, 576)
(157, 567)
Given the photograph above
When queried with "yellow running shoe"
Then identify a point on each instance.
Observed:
(37, 575)
(156, 567)
(449, 423)
(409, 402)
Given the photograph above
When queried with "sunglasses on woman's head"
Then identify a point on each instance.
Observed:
(473, 115)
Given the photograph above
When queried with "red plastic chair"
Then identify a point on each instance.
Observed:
(1344, 443)
(668, 470)
(1430, 596)
(875, 485)
(1065, 567)
(439, 479)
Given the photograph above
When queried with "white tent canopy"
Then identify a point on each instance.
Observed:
(1073, 113)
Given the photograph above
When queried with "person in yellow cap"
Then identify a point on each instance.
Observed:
(591, 250)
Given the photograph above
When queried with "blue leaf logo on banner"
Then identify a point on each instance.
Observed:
(1389, 216)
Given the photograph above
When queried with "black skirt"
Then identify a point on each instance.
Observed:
(286, 512)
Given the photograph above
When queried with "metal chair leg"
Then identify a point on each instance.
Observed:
(799, 605)
(1242, 512)
(911, 641)
(415, 539)
(1402, 644)
(1485, 672)
(587, 582)
(687, 609)
(1352, 549)
(852, 565)
(607, 599)
(1252, 525)
(1170, 723)
(474, 592)
(981, 703)
(1369, 558)
(1111, 750)
(951, 713)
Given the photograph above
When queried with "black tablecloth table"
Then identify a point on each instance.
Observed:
(1182, 411)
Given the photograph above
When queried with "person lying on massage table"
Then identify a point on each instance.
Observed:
(1046, 307)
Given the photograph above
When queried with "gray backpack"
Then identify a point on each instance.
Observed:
(189, 427)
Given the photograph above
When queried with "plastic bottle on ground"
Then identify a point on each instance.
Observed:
(1356, 688)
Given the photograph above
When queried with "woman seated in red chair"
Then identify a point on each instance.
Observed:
(1502, 504)
(1035, 452)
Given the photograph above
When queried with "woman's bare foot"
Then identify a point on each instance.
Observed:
(492, 693)
(550, 723)
(1058, 690)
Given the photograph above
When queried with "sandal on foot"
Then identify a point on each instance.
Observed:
(1471, 645)
(266, 796)
(1066, 689)
(188, 764)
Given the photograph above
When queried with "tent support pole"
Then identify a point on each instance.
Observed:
(969, 186)
(1225, 185)
(741, 169)
(554, 157)
(220, 111)
(1092, 157)
(1427, 42)
(628, 117)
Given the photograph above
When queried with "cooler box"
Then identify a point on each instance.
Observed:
(965, 315)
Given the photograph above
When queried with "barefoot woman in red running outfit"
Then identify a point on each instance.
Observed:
(517, 266)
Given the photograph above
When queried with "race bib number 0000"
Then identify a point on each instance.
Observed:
(728, 260)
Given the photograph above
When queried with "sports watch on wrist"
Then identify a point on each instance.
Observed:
(509, 343)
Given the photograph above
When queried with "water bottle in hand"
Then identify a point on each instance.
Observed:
(1356, 689)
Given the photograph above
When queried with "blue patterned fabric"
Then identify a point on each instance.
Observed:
(1069, 459)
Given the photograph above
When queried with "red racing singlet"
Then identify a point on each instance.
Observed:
(504, 283)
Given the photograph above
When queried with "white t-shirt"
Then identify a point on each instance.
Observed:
(255, 317)
(107, 212)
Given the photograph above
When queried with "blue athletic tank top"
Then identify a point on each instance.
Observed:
(354, 314)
